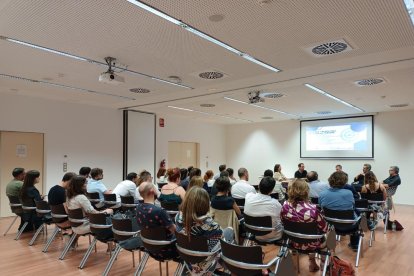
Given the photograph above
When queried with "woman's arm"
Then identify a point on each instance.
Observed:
(384, 191)
(236, 209)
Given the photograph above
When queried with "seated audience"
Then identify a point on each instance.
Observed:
(128, 187)
(221, 169)
(301, 172)
(278, 175)
(196, 181)
(338, 199)
(231, 176)
(262, 205)
(194, 172)
(298, 209)
(372, 186)
(161, 178)
(222, 200)
(242, 187)
(315, 185)
(150, 215)
(76, 199)
(360, 177)
(95, 185)
(394, 179)
(13, 189)
(28, 196)
(86, 172)
(338, 168)
(278, 186)
(193, 219)
(172, 191)
(184, 178)
(57, 194)
(208, 178)
(145, 176)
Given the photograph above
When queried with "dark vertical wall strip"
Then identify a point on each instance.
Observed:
(125, 145)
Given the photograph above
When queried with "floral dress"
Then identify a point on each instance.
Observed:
(304, 212)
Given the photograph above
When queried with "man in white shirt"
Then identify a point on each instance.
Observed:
(315, 186)
(242, 187)
(127, 187)
(263, 205)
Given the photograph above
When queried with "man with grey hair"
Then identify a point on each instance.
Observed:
(315, 185)
(242, 187)
(394, 179)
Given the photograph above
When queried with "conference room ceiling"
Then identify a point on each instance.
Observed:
(379, 35)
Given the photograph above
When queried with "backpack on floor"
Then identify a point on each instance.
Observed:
(339, 267)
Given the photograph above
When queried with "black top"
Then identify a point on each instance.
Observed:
(393, 181)
(32, 195)
(184, 183)
(56, 195)
(360, 179)
(222, 202)
(299, 174)
(354, 192)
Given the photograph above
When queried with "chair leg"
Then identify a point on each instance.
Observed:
(21, 231)
(179, 270)
(142, 264)
(359, 251)
(88, 253)
(67, 246)
(112, 260)
(133, 259)
(50, 240)
(10, 226)
(386, 223)
(166, 268)
(41, 227)
(371, 238)
(326, 264)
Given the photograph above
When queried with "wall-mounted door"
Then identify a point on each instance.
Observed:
(19, 149)
(183, 154)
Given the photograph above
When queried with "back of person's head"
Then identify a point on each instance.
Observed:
(222, 167)
(76, 186)
(312, 176)
(242, 172)
(196, 181)
(161, 172)
(298, 191)
(195, 207)
(95, 172)
(146, 189)
(266, 185)
(268, 173)
(368, 166)
(131, 176)
(230, 171)
(208, 175)
(276, 168)
(189, 169)
(338, 179)
(173, 174)
(370, 179)
(17, 172)
(184, 173)
(144, 176)
(224, 173)
(222, 184)
(194, 172)
(68, 176)
(85, 171)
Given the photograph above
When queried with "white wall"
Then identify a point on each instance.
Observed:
(210, 136)
(260, 146)
(89, 136)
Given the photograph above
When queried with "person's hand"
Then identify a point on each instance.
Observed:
(386, 186)
(109, 211)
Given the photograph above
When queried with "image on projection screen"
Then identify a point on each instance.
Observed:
(350, 137)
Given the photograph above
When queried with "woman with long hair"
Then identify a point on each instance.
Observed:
(278, 175)
(196, 181)
(193, 220)
(172, 191)
(372, 186)
(29, 195)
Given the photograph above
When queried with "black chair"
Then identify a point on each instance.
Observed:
(95, 200)
(193, 251)
(376, 200)
(240, 202)
(16, 208)
(300, 233)
(102, 231)
(257, 227)
(28, 212)
(343, 221)
(43, 211)
(155, 242)
(110, 202)
(314, 200)
(245, 260)
(76, 218)
(160, 185)
(128, 203)
(275, 196)
(122, 229)
(59, 215)
(172, 208)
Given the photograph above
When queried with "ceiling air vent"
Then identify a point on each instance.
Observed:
(211, 75)
(329, 48)
(271, 95)
(207, 105)
(369, 82)
(323, 112)
(139, 90)
(267, 118)
(398, 105)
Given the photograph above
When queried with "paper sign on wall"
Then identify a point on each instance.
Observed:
(21, 151)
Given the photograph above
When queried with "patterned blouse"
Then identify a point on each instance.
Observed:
(304, 212)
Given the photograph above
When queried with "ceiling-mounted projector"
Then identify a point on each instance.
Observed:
(254, 97)
(110, 76)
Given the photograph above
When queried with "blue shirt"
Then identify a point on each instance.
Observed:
(96, 186)
(337, 199)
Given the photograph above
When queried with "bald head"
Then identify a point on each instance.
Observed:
(145, 189)
(312, 176)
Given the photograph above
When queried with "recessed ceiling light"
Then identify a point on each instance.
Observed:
(201, 34)
(139, 90)
(212, 75)
(262, 107)
(207, 105)
(409, 5)
(320, 91)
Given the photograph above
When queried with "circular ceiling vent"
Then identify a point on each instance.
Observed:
(139, 90)
(207, 105)
(323, 112)
(271, 95)
(267, 118)
(329, 48)
(369, 82)
(212, 75)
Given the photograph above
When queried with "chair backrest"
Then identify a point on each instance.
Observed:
(258, 226)
(240, 201)
(193, 250)
(361, 203)
(15, 205)
(128, 203)
(110, 198)
(122, 229)
(98, 222)
(373, 197)
(58, 213)
(341, 220)
(226, 218)
(241, 254)
(391, 190)
(42, 208)
(160, 185)
(275, 196)
(339, 214)
(302, 232)
(169, 205)
(76, 217)
(155, 239)
(314, 200)
(93, 197)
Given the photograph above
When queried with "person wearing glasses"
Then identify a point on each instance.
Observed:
(394, 179)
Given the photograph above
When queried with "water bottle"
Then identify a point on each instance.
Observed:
(393, 226)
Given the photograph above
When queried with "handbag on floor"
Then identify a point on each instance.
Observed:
(339, 267)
